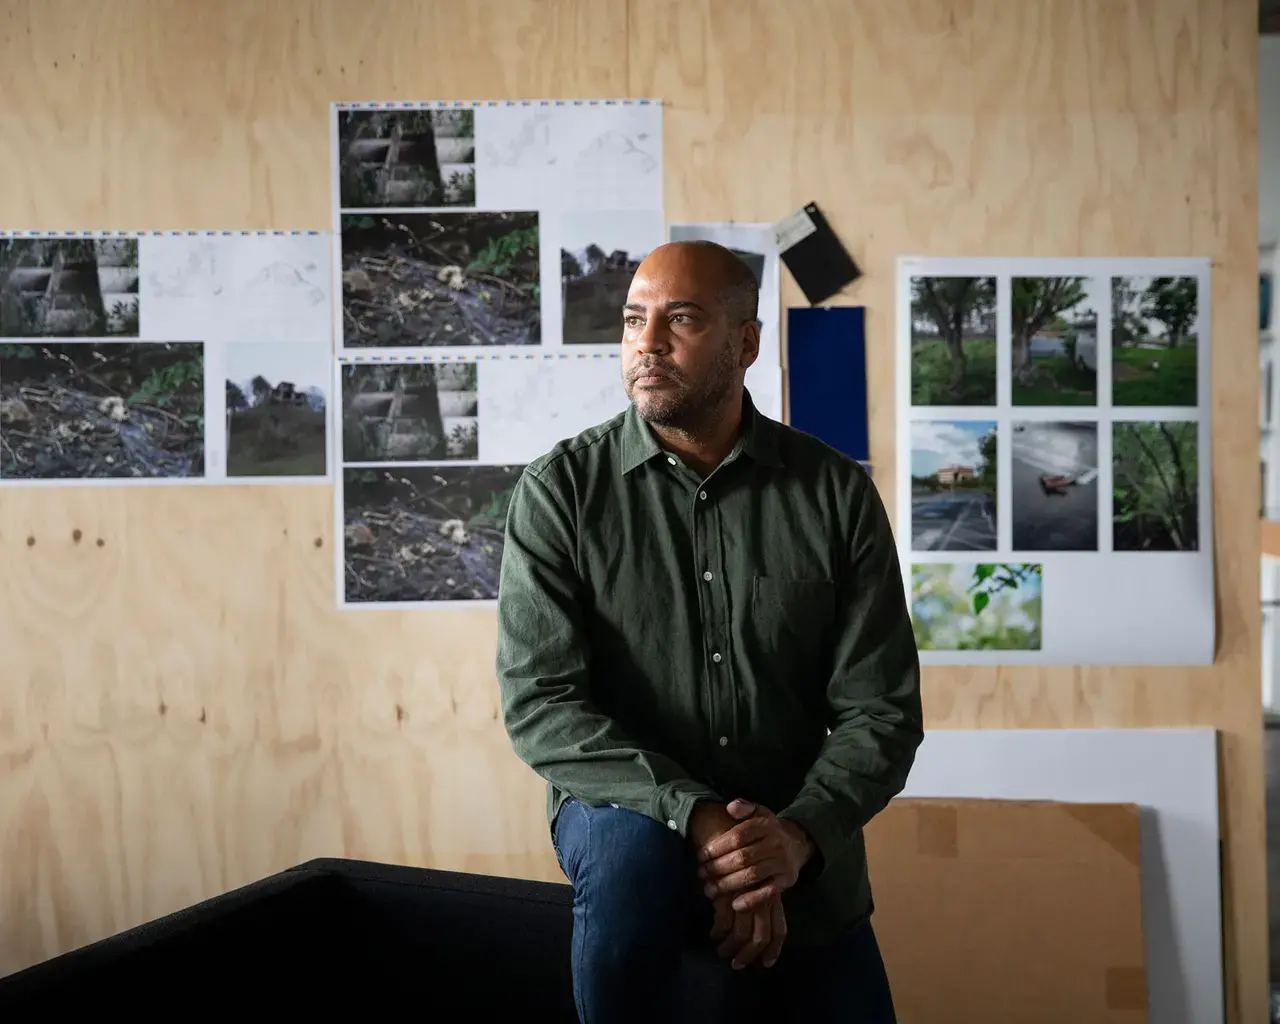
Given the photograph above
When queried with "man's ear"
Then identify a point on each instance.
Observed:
(750, 343)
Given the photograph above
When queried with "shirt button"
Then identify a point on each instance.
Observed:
(671, 460)
(703, 495)
(671, 824)
(707, 575)
(724, 741)
(716, 657)
(614, 806)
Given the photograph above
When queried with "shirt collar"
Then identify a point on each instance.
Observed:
(759, 437)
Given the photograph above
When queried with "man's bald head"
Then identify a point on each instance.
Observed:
(733, 281)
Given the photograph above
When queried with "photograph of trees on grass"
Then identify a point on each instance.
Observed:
(440, 280)
(69, 287)
(953, 485)
(420, 412)
(92, 410)
(953, 341)
(406, 158)
(976, 607)
(276, 420)
(1054, 344)
(425, 533)
(1155, 331)
(1156, 486)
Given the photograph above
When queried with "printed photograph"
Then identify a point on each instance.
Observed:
(953, 341)
(1054, 486)
(430, 533)
(1155, 331)
(94, 410)
(68, 287)
(977, 607)
(430, 280)
(1054, 343)
(599, 254)
(406, 158)
(1156, 486)
(276, 409)
(409, 412)
(953, 485)
(694, 232)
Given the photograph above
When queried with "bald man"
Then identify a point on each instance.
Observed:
(704, 649)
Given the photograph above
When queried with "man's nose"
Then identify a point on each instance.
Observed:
(652, 338)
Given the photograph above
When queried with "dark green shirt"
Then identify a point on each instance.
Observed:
(665, 638)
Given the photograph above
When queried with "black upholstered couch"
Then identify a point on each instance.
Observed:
(333, 936)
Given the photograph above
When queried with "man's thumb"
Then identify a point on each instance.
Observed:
(741, 809)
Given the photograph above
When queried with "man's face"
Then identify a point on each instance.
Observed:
(681, 355)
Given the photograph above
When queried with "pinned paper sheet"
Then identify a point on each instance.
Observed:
(1055, 501)
(164, 357)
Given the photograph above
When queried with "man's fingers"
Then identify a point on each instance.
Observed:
(740, 881)
(760, 934)
(723, 922)
(762, 856)
(777, 934)
(739, 935)
(754, 899)
(743, 834)
(741, 809)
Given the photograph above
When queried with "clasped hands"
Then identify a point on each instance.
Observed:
(747, 858)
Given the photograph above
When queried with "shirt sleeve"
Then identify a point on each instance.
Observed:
(544, 674)
(873, 695)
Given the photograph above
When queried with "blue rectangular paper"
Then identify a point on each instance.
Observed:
(827, 376)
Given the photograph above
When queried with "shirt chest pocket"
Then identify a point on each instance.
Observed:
(791, 619)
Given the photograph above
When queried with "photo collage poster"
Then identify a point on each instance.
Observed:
(130, 358)
(1054, 496)
(482, 252)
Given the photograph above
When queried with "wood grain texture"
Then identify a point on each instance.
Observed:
(183, 710)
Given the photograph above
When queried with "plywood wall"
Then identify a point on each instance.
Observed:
(181, 708)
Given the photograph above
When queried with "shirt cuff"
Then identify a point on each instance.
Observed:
(673, 803)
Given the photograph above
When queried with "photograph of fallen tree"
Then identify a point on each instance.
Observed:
(430, 280)
(68, 287)
(425, 533)
(419, 412)
(81, 410)
(406, 158)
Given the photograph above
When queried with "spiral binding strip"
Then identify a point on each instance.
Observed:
(246, 233)
(508, 355)
(491, 104)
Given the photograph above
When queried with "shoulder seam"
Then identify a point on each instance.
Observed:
(539, 466)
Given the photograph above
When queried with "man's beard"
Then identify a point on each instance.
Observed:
(681, 405)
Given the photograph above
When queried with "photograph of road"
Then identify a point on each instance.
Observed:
(1054, 486)
(953, 485)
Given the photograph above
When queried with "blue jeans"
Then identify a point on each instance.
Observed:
(642, 949)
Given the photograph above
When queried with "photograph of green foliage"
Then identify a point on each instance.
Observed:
(1156, 486)
(980, 606)
(92, 410)
(425, 534)
(435, 280)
